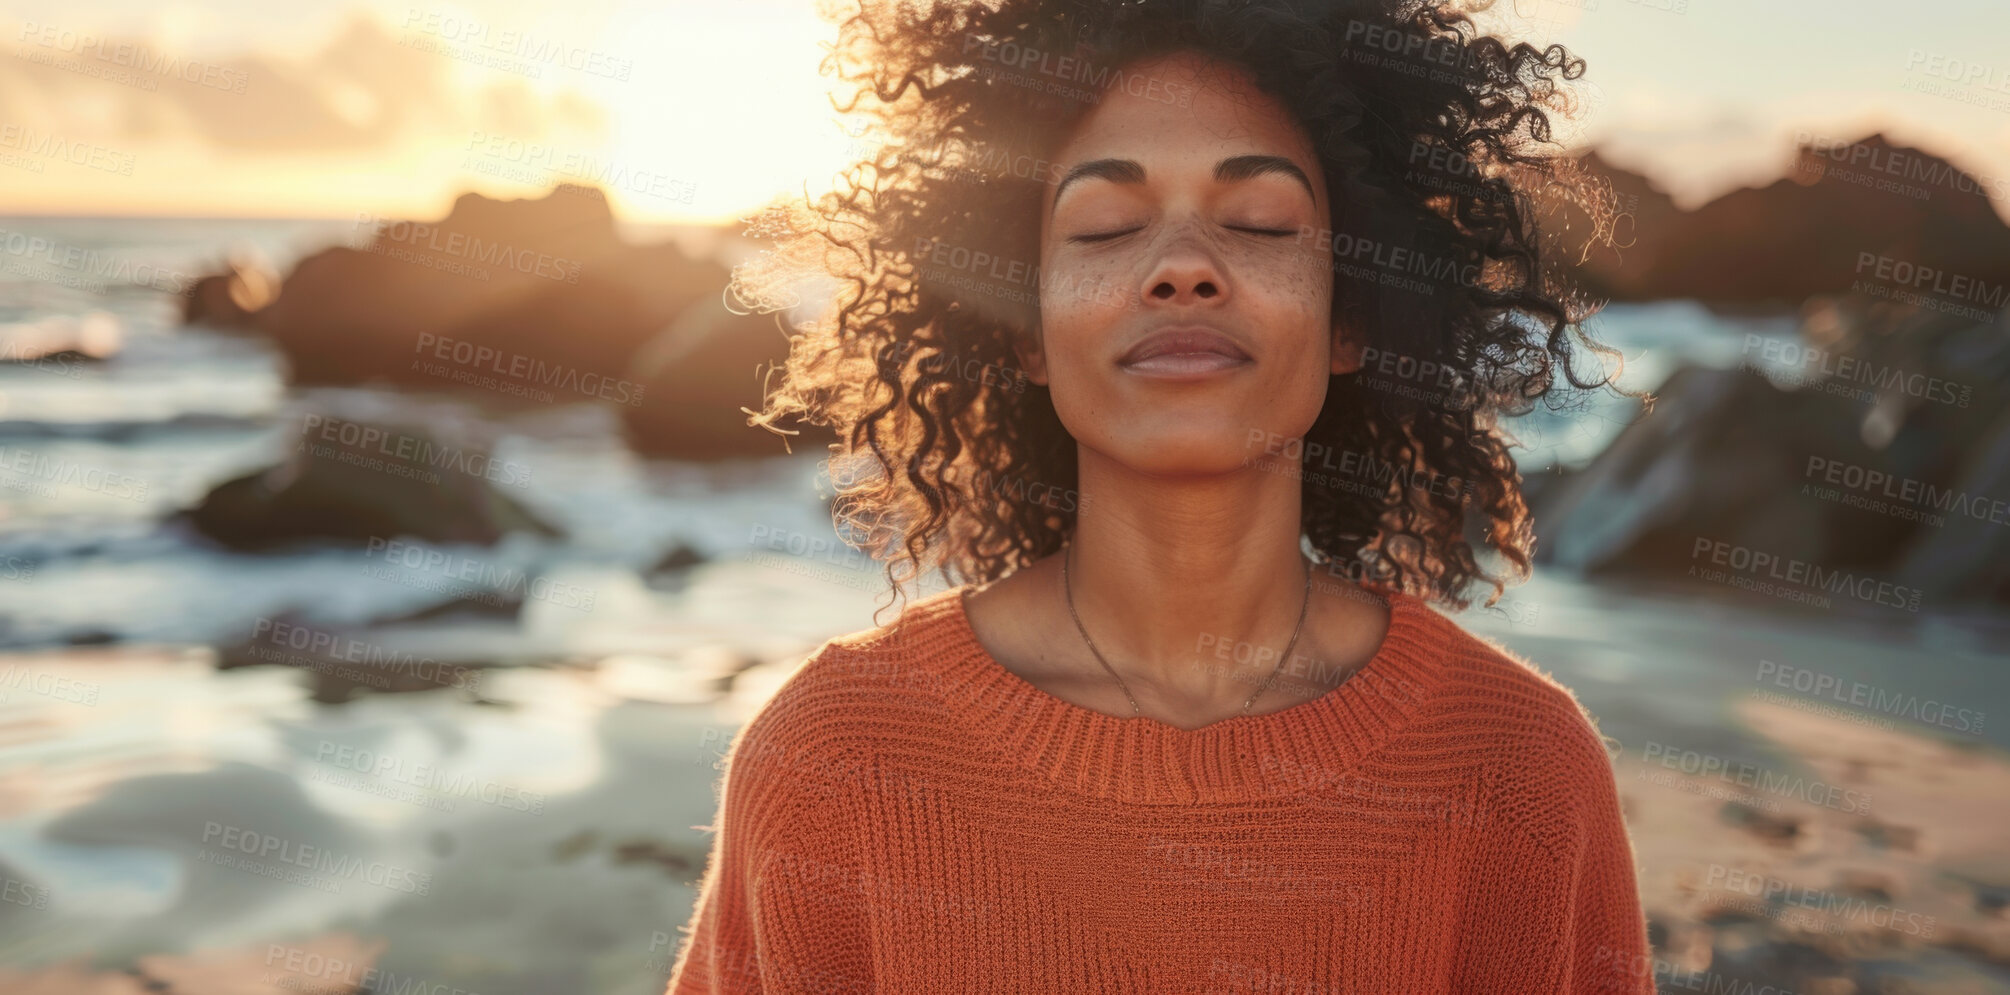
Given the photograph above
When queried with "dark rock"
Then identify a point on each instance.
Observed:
(1776, 829)
(680, 557)
(652, 852)
(1538, 485)
(228, 300)
(353, 487)
(1901, 405)
(1803, 234)
(534, 300)
(376, 308)
(1721, 456)
(1969, 554)
(487, 606)
(1992, 899)
(701, 378)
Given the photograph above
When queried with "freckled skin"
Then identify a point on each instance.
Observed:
(1185, 264)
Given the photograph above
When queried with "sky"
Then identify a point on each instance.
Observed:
(702, 110)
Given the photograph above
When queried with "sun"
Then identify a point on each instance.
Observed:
(725, 110)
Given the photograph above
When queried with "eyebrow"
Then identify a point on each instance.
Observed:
(1228, 170)
(1113, 170)
(1243, 167)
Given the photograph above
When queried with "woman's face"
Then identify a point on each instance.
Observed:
(1189, 202)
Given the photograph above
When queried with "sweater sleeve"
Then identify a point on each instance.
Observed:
(1551, 903)
(779, 907)
(1607, 939)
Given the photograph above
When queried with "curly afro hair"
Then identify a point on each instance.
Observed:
(1435, 140)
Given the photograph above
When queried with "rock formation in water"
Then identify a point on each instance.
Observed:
(1845, 214)
(1882, 452)
(355, 483)
(537, 300)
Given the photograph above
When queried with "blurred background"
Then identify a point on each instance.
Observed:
(385, 563)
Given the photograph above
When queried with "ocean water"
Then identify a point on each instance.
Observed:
(97, 458)
(558, 855)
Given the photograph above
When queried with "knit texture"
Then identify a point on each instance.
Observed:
(907, 815)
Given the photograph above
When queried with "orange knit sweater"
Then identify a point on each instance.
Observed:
(907, 815)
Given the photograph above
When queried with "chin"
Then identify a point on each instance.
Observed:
(1190, 453)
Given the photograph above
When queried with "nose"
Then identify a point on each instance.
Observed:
(1185, 273)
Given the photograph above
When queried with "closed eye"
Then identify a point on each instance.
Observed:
(1104, 236)
(1261, 231)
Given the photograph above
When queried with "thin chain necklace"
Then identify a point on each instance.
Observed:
(1069, 554)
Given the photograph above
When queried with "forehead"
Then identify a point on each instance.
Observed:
(1183, 113)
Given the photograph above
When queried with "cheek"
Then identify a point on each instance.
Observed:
(1291, 289)
(1299, 277)
(1080, 298)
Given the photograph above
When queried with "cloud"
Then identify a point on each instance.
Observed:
(365, 90)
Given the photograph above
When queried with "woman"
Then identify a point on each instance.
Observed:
(1136, 303)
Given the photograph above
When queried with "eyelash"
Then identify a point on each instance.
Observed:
(1104, 236)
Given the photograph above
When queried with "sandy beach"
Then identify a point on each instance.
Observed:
(541, 830)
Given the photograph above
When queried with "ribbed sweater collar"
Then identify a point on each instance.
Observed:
(1143, 760)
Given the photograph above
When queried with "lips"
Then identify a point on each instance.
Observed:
(1188, 341)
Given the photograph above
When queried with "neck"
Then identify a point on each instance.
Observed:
(1169, 572)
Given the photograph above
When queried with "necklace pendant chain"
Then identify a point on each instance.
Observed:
(1135, 710)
